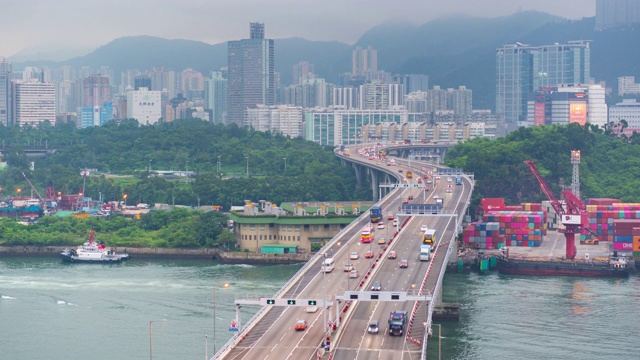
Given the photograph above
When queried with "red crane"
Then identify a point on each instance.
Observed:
(571, 215)
(44, 202)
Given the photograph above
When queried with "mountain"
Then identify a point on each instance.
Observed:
(453, 51)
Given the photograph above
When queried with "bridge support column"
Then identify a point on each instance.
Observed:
(444, 152)
(374, 184)
(358, 171)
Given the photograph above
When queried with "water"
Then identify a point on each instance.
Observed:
(51, 310)
(509, 317)
(80, 311)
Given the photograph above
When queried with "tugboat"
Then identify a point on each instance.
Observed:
(92, 252)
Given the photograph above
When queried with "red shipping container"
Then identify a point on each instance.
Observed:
(635, 231)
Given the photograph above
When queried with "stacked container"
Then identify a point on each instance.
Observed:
(506, 228)
(636, 241)
(623, 234)
(601, 219)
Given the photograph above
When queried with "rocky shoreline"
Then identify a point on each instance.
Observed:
(166, 253)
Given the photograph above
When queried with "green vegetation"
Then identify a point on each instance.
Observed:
(312, 173)
(178, 228)
(610, 164)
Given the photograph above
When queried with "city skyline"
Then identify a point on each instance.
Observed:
(221, 21)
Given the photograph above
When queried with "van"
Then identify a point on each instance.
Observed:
(327, 265)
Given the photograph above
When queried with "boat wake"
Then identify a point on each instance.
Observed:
(5, 297)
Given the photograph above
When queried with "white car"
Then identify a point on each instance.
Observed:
(354, 256)
(311, 309)
(423, 228)
(380, 225)
(449, 191)
(449, 179)
(395, 222)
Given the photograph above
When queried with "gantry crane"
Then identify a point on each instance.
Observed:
(570, 217)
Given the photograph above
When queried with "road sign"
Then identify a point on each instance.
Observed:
(271, 302)
(312, 302)
(233, 324)
(233, 329)
(291, 302)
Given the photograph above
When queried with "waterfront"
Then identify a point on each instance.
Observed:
(79, 311)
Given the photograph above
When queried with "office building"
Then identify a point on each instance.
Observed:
(364, 61)
(616, 13)
(5, 92)
(628, 110)
(33, 102)
(141, 81)
(145, 106)
(380, 96)
(302, 71)
(521, 69)
(96, 91)
(627, 86)
(216, 97)
(89, 116)
(251, 76)
(568, 104)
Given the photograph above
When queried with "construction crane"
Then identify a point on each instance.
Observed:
(570, 216)
(44, 202)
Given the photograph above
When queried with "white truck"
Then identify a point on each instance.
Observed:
(425, 252)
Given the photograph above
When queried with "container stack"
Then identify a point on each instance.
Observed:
(636, 242)
(601, 218)
(623, 231)
(506, 228)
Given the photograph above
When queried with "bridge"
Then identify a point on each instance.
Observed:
(342, 321)
(32, 151)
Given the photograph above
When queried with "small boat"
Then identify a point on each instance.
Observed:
(91, 251)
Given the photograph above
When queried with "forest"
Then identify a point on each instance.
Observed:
(609, 167)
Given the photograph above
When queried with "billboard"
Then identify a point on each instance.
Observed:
(578, 112)
(538, 114)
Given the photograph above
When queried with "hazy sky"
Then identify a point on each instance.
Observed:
(42, 25)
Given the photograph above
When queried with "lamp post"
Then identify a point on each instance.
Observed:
(285, 164)
(151, 337)
(439, 341)
(246, 157)
(186, 178)
(218, 163)
(125, 200)
(149, 168)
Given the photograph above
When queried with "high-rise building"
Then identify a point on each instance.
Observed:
(628, 85)
(5, 92)
(90, 116)
(283, 119)
(95, 91)
(34, 102)
(612, 13)
(460, 100)
(380, 96)
(302, 71)
(364, 61)
(144, 106)
(141, 81)
(216, 97)
(251, 78)
(567, 104)
(629, 111)
(521, 69)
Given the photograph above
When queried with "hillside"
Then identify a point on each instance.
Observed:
(453, 51)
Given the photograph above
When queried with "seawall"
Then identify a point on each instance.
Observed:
(167, 253)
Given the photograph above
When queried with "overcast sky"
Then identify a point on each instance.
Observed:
(29, 26)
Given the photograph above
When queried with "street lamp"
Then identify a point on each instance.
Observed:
(246, 157)
(225, 285)
(285, 164)
(150, 337)
(125, 199)
(218, 163)
(186, 178)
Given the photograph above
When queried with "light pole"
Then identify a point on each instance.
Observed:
(151, 337)
(285, 164)
(125, 200)
(186, 178)
(218, 163)
(149, 168)
(439, 341)
(246, 157)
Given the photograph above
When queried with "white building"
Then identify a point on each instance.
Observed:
(283, 119)
(144, 106)
(628, 110)
(380, 96)
(627, 85)
(566, 104)
(34, 102)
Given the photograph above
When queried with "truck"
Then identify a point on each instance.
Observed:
(439, 201)
(458, 181)
(409, 174)
(397, 321)
(429, 237)
(425, 252)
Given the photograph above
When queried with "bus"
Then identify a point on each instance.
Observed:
(366, 235)
(429, 237)
(327, 265)
(375, 213)
(458, 181)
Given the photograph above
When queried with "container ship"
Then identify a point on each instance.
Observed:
(614, 267)
(17, 208)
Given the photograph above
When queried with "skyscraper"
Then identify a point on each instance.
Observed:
(216, 97)
(34, 102)
(95, 90)
(364, 61)
(521, 69)
(612, 13)
(141, 81)
(251, 79)
(5, 92)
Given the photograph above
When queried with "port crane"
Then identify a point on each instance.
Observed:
(570, 216)
(44, 202)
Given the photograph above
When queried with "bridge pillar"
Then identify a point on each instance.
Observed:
(358, 171)
(444, 152)
(374, 184)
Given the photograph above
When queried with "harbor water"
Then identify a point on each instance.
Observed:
(51, 310)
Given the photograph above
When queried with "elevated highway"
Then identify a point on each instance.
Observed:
(270, 333)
